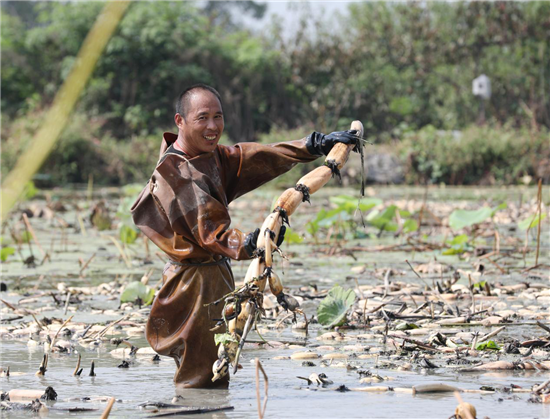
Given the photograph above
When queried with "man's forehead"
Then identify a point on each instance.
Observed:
(203, 101)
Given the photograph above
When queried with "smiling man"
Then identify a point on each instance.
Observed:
(184, 211)
(199, 118)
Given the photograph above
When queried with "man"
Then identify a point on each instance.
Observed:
(183, 210)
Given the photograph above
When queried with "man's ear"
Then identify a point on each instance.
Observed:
(180, 121)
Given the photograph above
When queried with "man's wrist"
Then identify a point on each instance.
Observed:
(250, 242)
(313, 142)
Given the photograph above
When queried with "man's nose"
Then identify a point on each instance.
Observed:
(212, 124)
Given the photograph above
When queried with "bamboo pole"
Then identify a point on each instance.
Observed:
(33, 234)
(44, 140)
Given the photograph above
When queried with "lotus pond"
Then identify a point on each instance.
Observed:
(442, 293)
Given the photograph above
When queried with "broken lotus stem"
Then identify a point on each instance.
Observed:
(43, 366)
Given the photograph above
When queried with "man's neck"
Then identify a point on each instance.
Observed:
(178, 145)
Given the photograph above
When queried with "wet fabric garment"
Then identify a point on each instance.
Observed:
(183, 210)
(179, 322)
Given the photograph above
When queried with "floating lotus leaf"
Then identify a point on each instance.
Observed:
(460, 219)
(137, 290)
(531, 221)
(223, 338)
(487, 345)
(334, 307)
(127, 234)
(5, 252)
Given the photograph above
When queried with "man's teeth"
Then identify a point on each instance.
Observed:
(210, 137)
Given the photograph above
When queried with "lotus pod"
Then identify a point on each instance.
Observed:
(316, 179)
(275, 284)
(290, 200)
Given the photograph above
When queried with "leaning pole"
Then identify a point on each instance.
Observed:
(243, 307)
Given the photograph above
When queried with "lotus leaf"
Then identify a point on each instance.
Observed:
(460, 219)
(127, 234)
(136, 290)
(223, 338)
(487, 345)
(333, 308)
(5, 252)
(531, 221)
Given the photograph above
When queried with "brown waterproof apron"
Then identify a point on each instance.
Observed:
(179, 322)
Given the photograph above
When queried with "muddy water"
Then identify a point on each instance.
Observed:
(289, 396)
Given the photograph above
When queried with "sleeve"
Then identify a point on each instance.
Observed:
(150, 217)
(248, 166)
(198, 216)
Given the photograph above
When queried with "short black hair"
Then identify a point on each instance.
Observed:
(182, 103)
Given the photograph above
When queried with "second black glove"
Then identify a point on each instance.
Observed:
(250, 242)
(320, 144)
(281, 237)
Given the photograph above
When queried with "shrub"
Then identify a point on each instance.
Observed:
(82, 151)
(477, 155)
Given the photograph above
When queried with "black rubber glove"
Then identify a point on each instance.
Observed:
(250, 242)
(320, 144)
(281, 237)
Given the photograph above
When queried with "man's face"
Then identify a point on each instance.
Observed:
(202, 126)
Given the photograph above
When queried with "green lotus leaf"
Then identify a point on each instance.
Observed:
(334, 307)
(5, 252)
(291, 237)
(136, 290)
(460, 219)
(127, 234)
(223, 338)
(410, 225)
(531, 221)
(483, 346)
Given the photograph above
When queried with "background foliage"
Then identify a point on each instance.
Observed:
(403, 69)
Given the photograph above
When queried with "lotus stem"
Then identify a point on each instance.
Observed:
(75, 373)
(59, 330)
(107, 410)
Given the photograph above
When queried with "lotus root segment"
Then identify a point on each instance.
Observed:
(289, 200)
(316, 179)
(250, 296)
